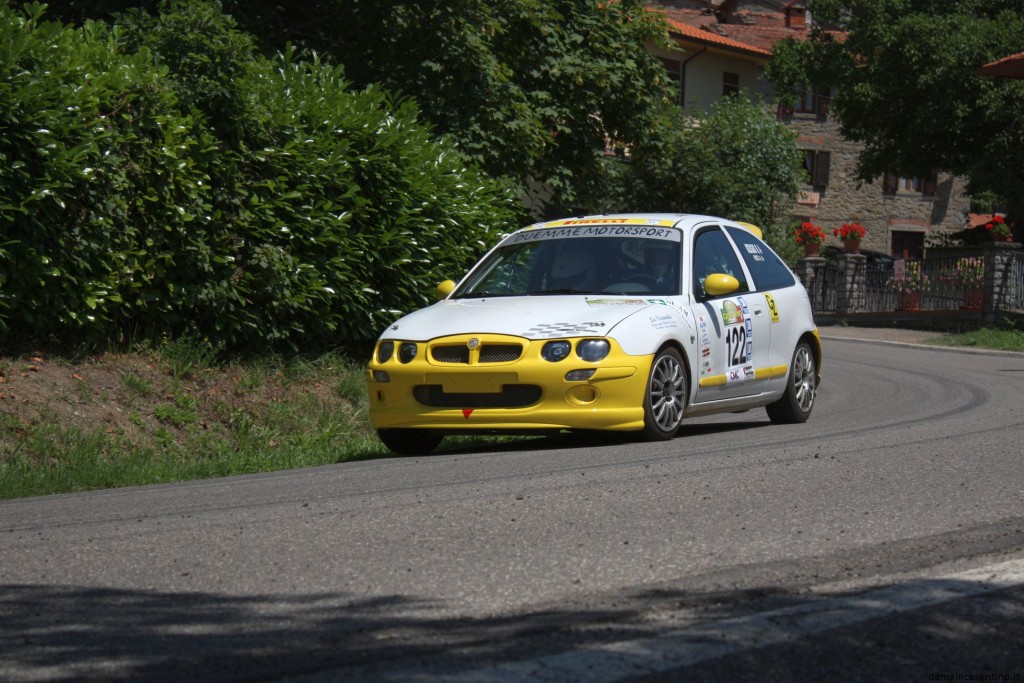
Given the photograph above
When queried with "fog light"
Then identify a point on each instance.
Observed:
(593, 350)
(406, 352)
(582, 394)
(385, 351)
(579, 375)
(381, 376)
(555, 351)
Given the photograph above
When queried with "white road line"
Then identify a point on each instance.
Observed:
(688, 646)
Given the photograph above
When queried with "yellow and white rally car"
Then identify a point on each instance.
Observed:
(624, 322)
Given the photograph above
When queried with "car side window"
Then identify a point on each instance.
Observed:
(713, 253)
(767, 269)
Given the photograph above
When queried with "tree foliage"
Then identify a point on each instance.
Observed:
(908, 85)
(530, 89)
(163, 173)
(125, 213)
(737, 161)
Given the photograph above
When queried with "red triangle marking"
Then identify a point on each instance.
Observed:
(466, 412)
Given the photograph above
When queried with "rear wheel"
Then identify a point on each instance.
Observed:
(409, 441)
(796, 403)
(665, 396)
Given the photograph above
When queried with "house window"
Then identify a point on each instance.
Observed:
(817, 166)
(894, 184)
(811, 101)
(730, 84)
(675, 73)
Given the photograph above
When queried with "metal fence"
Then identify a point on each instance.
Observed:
(1012, 298)
(942, 282)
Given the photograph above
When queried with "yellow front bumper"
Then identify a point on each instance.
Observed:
(471, 395)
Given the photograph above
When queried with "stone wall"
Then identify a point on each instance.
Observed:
(846, 199)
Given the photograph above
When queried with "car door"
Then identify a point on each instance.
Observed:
(733, 330)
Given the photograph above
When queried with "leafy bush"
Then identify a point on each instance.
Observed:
(158, 178)
(92, 151)
(737, 161)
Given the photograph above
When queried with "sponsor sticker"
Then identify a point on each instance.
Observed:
(773, 310)
(663, 321)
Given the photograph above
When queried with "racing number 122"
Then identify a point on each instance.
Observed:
(736, 345)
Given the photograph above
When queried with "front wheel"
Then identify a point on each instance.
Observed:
(798, 399)
(409, 441)
(665, 396)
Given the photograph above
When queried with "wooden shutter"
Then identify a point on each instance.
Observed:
(822, 105)
(930, 186)
(822, 161)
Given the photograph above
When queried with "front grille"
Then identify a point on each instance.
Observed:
(510, 396)
(450, 354)
(489, 353)
(500, 353)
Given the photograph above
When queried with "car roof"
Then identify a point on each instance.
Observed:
(674, 220)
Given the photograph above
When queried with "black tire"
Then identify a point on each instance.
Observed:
(665, 396)
(409, 441)
(802, 384)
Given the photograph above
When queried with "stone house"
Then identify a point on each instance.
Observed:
(721, 46)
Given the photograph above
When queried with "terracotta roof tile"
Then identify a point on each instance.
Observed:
(763, 37)
(1009, 67)
(713, 38)
(756, 33)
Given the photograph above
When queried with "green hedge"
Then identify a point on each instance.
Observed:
(159, 178)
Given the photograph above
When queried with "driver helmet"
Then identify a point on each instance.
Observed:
(572, 268)
(658, 258)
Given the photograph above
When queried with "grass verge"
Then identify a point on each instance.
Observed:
(985, 338)
(173, 415)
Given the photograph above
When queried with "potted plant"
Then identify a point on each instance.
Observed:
(969, 275)
(851, 234)
(908, 286)
(810, 236)
(998, 230)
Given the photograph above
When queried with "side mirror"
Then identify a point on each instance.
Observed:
(720, 284)
(445, 288)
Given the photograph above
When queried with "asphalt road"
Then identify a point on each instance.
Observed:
(883, 540)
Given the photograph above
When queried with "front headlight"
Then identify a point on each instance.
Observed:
(385, 351)
(406, 352)
(555, 351)
(593, 350)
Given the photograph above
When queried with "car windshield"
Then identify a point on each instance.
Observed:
(539, 262)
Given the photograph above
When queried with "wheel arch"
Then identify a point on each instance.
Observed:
(813, 340)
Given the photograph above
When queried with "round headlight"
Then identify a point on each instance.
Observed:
(385, 351)
(406, 352)
(593, 350)
(555, 351)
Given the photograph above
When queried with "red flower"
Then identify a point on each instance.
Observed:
(810, 233)
(850, 231)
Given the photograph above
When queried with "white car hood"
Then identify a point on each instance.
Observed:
(534, 317)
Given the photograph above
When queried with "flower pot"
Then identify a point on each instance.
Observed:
(812, 249)
(910, 301)
(972, 298)
(851, 246)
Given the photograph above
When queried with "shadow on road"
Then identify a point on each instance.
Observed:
(904, 633)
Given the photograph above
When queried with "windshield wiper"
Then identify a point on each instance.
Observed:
(484, 295)
(542, 292)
